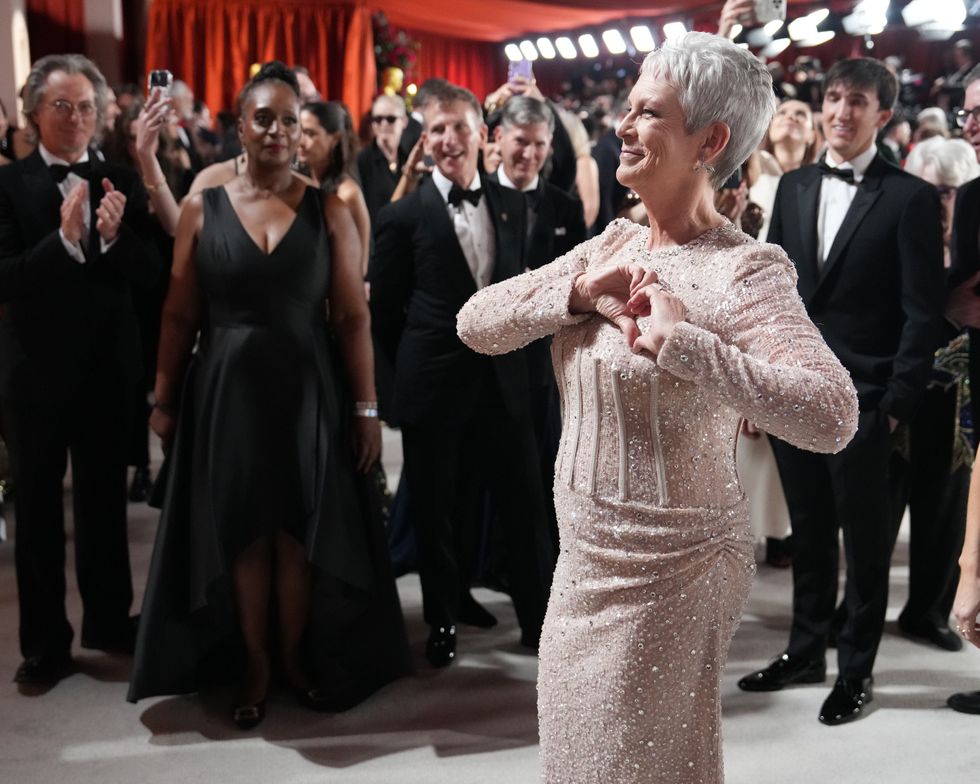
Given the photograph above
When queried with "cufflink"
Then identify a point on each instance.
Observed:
(560, 231)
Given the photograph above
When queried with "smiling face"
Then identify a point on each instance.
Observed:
(453, 136)
(523, 151)
(851, 117)
(656, 146)
(793, 122)
(269, 127)
(66, 116)
(316, 145)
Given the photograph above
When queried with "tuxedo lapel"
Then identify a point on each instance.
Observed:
(868, 192)
(436, 215)
(42, 190)
(508, 227)
(808, 206)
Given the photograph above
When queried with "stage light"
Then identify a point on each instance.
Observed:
(773, 27)
(528, 50)
(774, 48)
(818, 16)
(613, 39)
(935, 14)
(513, 52)
(588, 45)
(546, 48)
(412, 89)
(642, 38)
(819, 38)
(735, 32)
(566, 48)
(672, 29)
(868, 18)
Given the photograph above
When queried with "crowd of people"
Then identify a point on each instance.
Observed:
(576, 311)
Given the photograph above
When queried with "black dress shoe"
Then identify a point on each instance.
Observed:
(139, 488)
(785, 671)
(440, 648)
(43, 670)
(965, 702)
(121, 640)
(248, 717)
(939, 635)
(847, 700)
(472, 613)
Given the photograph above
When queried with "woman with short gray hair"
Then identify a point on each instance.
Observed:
(664, 339)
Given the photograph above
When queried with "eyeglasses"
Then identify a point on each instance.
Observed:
(391, 119)
(65, 108)
(962, 115)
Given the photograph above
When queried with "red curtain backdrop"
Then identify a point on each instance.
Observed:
(477, 65)
(55, 26)
(211, 45)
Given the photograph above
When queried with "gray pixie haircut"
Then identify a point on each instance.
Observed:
(954, 160)
(37, 82)
(525, 110)
(717, 81)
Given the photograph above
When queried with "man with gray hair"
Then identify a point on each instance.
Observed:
(70, 248)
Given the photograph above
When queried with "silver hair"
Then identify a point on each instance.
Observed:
(394, 100)
(954, 160)
(37, 83)
(717, 81)
(525, 110)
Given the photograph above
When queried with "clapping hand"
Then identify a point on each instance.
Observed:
(73, 213)
(606, 290)
(110, 211)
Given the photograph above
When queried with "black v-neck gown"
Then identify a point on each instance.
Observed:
(262, 445)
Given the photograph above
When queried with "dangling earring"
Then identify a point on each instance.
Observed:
(705, 167)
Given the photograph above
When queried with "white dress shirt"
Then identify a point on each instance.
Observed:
(836, 197)
(508, 183)
(474, 229)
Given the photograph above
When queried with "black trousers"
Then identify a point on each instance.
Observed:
(826, 494)
(444, 466)
(93, 428)
(936, 497)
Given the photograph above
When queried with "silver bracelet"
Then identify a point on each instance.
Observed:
(366, 409)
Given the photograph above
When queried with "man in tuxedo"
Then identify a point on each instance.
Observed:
(70, 248)
(462, 414)
(556, 224)
(866, 239)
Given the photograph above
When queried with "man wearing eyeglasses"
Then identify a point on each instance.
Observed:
(963, 309)
(70, 249)
(380, 164)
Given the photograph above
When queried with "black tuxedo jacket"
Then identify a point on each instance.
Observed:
(65, 324)
(878, 299)
(419, 280)
(965, 251)
(378, 182)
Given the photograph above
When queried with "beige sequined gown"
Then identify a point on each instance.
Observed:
(656, 556)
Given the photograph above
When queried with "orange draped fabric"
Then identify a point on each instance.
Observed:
(211, 44)
(477, 65)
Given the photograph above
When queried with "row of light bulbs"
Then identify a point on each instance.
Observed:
(934, 18)
(564, 46)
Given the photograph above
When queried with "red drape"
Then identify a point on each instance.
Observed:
(55, 26)
(477, 65)
(212, 44)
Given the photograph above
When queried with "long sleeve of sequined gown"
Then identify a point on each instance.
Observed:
(656, 558)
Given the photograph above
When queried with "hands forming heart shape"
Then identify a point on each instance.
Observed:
(624, 292)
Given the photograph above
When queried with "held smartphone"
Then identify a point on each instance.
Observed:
(522, 69)
(161, 79)
(769, 10)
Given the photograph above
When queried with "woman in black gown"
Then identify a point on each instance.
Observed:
(265, 504)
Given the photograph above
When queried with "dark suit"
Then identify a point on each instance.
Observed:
(378, 180)
(69, 354)
(878, 301)
(464, 416)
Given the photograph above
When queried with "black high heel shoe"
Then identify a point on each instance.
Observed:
(248, 717)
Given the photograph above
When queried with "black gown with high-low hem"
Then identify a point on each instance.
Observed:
(263, 444)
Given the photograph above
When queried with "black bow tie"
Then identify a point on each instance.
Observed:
(59, 171)
(847, 175)
(457, 194)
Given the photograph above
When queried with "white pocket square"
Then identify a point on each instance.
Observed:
(560, 231)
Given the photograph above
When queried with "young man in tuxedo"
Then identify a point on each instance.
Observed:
(866, 239)
(556, 224)
(459, 412)
(70, 248)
